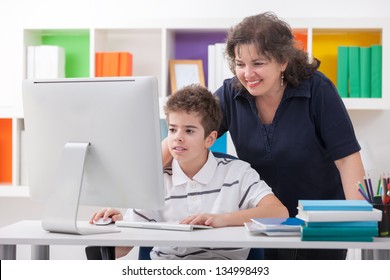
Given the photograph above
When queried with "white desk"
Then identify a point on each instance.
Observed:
(31, 233)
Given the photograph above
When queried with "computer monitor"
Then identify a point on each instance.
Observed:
(92, 141)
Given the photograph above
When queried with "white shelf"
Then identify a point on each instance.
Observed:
(14, 191)
(153, 43)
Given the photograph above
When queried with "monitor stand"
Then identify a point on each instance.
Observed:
(62, 206)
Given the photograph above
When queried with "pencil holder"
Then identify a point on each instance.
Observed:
(383, 225)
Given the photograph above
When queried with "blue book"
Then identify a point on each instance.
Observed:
(279, 224)
(334, 205)
(343, 224)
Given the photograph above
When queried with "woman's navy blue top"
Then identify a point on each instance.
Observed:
(295, 154)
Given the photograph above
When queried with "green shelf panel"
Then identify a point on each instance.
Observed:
(76, 52)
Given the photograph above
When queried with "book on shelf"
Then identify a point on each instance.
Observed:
(340, 216)
(334, 205)
(350, 238)
(110, 64)
(365, 72)
(218, 66)
(342, 70)
(255, 229)
(354, 71)
(125, 64)
(376, 71)
(45, 62)
(339, 231)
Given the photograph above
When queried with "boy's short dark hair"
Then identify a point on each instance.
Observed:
(196, 99)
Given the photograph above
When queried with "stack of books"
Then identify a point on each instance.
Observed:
(359, 71)
(338, 220)
(113, 64)
(45, 62)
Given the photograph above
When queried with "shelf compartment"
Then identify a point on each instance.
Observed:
(326, 41)
(139, 42)
(76, 43)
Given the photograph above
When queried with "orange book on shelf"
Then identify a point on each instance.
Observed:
(301, 39)
(98, 64)
(110, 64)
(125, 64)
(5, 151)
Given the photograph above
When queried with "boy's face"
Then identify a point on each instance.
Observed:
(186, 138)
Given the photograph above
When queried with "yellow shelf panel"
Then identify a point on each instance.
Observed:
(326, 41)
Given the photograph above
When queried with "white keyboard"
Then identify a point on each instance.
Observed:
(161, 225)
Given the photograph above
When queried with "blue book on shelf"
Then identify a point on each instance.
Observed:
(334, 205)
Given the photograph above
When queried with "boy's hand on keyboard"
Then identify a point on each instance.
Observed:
(214, 220)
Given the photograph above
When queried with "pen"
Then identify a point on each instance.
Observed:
(361, 191)
(368, 189)
(371, 192)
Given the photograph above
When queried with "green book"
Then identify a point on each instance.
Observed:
(365, 72)
(354, 71)
(351, 238)
(376, 71)
(342, 70)
(339, 231)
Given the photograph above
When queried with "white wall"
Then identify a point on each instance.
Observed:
(371, 126)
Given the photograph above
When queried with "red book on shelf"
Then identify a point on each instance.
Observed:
(125, 64)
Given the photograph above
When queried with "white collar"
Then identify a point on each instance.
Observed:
(204, 176)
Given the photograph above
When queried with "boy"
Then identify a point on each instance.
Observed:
(199, 188)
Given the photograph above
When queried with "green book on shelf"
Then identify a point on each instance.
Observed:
(354, 71)
(342, 70)
(376, 71)
(351, 238)
(339, 231)
(365, 72)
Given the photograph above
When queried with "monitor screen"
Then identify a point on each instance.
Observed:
(92, 141)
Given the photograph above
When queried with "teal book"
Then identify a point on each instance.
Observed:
(376, 71)
(339, 231)
(342, 70)
(343, 224)
(334, 205)
(365, 72)
(354, 238)
(354, 71)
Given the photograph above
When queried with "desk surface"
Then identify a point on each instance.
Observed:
(31, 233)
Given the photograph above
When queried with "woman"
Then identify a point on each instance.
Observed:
(288, 121)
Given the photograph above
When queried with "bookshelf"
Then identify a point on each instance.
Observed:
(153, 43)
